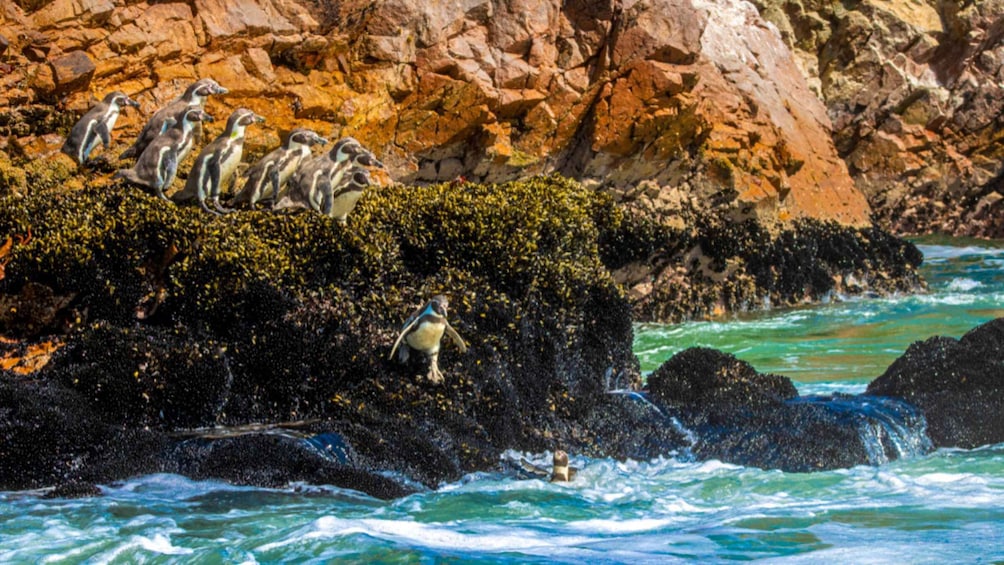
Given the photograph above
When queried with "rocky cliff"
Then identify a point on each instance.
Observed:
(675, 104)
(916, 94)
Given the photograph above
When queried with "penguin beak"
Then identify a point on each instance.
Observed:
(259, 119)
(320, 140)
(370, 161)
(204, 117)
(131, 102)
(217, 89)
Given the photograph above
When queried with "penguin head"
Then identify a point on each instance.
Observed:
(366, 159)
(344, 149)
(361, 178)
(440, 304)
(192, 115)
(304, 136)
(240, 119)
(119, 99)
(197, 92)
(348, 148)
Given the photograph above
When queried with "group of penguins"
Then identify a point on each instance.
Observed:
(288, 177)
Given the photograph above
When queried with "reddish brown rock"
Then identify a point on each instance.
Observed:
(916, 92)
(699, 97)
(72, 71)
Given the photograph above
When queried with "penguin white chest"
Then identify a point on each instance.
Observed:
(426, 336)
(113, 116)
(343, 203)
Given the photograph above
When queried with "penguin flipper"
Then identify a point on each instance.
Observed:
(404, 332)
(104, 134)
(532, 469)
(273, 179)
(456, 338)
(170, 170)
(328, 201)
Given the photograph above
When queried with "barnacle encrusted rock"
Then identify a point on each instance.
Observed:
(958, 383)
(187, 322)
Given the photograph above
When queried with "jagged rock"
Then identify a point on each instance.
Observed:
(958, 383)
(493, 90)
(72, 71)
(915, 93)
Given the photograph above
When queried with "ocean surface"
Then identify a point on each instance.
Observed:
(945, 506)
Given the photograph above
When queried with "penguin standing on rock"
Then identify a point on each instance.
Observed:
(96, 126)
(267, 178)
(423, 331)
(194, 96)
(217, 163)
(331, 183)
(158, 164)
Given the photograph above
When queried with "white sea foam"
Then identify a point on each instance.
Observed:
(432, 535)
(962, 285)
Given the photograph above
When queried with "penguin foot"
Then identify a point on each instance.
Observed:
(434, 376)
(202, 204)
(221, 208)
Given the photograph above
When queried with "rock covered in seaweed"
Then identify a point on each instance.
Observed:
(958, 383)
(740, 416)
(194, 322)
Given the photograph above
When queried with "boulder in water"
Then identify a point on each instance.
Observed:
(958, 383)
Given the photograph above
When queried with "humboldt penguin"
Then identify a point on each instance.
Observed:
(340, 193)
(96, 126)
(158, 164)
(217, 162)
(560, 471)
(267, 178)
(331, 183)
(194, 96)
(423, 331)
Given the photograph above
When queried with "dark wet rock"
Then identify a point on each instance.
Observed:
(744, 417)
(958, 383)
(649, 431)
(274, 460)
(707, 382)
(726, 266)
(74, 490)
(195, 322)
(48, 434)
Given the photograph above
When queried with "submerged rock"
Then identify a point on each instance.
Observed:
(958, 383)
(740, 416)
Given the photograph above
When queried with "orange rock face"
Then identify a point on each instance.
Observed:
(671, 104)
(916, 93)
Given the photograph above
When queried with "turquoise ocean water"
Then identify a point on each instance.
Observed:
(942, 507)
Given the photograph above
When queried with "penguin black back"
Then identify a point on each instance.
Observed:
(195, 95)
(95, 126)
